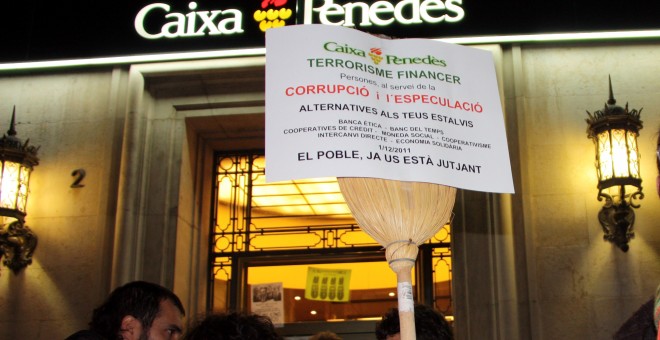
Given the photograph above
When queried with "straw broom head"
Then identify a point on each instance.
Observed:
(399, 215)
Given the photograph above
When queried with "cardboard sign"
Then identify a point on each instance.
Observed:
(343, 103)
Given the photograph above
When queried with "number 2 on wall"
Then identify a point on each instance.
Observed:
(79, 174)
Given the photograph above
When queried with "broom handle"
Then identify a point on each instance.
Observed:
(406, 301)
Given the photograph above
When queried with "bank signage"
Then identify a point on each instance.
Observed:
(197, 22)
(187, 25)
(68, 29)
(382, 13)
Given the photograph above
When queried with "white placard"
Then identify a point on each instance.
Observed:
(267, 300)
(344, 103)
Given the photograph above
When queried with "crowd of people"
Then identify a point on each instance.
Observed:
(146, 311)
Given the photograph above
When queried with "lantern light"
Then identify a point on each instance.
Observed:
(614, 131)
(17, 159)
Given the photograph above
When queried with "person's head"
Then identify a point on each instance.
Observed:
(233, 326)
(429, 325)
(139, 311)
(325, 335)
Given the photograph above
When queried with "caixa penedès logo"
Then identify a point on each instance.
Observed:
(273, 13)
(382, 13)
(377, 55)
(160, 20)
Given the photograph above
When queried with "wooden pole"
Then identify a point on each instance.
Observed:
(403, 268)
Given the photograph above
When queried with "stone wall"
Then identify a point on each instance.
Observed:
(77, 119)
(582, 287)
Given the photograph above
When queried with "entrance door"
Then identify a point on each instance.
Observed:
(271, 235)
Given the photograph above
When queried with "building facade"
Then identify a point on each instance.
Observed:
(531, 265)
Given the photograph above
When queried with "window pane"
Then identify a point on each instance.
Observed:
(254, 218)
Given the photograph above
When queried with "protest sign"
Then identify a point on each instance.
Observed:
(343, 103)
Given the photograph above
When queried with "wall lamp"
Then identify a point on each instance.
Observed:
(17, 241)
(614, 131)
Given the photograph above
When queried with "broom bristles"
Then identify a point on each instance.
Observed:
(399, 215)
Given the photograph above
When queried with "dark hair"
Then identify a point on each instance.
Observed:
(138, 299)
(84, 335)
(233, 326)
(639, 326)
(325, 335)
(429, 324)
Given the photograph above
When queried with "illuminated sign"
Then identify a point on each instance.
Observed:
(382, 13)
(192, 24)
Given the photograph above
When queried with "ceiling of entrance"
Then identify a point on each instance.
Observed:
(200, 83)
(226, 109)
